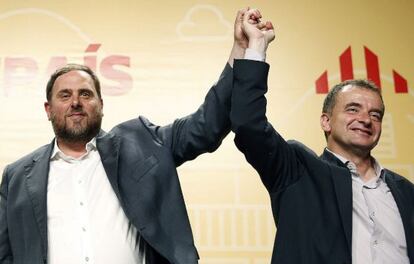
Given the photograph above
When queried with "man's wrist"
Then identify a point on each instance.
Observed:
(238, 50)
(252, 54)
(256, 50)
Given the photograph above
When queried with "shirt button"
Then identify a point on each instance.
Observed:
(375, 242)
(81, 203)
(87, 259)
(83, 229)
(79, 182)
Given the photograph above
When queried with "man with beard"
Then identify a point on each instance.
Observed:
(342, 207)
(105, 198)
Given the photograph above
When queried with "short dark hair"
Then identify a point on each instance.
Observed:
(330, 99)
(72, 67)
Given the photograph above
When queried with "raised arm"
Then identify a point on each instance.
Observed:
(262, 146)
(204, 130)
(240, 42)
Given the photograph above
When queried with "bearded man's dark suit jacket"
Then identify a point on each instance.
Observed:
(140, 160)
(311, 196)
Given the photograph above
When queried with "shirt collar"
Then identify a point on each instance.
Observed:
(57, 153)
(377, 167)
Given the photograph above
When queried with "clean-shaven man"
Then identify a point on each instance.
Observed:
(341, 207)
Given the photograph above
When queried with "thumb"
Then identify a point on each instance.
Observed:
(269, 25)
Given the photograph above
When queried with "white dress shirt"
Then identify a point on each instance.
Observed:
(86, 223)
(377, 230)
(252, 54)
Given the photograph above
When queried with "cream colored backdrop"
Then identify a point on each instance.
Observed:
(158, 59)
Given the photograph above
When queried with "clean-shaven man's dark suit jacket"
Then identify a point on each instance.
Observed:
(140, 160)
(311, 197)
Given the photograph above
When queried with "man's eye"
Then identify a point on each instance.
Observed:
(376, 116)
(352, 109)
(85, 94)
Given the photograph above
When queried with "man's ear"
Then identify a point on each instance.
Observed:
(325, 123)
(102, 104)
(47, 110)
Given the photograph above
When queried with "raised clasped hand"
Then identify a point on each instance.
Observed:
(259, 33)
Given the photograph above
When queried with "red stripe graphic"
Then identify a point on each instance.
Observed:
(373, 72)
(345, 63)
(322, 86)
(93, 47)
(400, 83)
(371, 62)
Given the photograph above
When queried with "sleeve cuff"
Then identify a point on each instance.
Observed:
(252, 54)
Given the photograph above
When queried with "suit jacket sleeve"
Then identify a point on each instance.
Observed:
(5, 251)
(272, 157)
(203, 130)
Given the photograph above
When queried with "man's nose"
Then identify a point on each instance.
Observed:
(76, 102)
(364, 118)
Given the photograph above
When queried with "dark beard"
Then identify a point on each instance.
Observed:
(78, 135)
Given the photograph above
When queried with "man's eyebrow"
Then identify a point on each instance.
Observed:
(376, 110)
(85, 90)
(352, 104)
(64, 91)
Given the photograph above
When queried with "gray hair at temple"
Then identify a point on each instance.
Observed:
(72, 67)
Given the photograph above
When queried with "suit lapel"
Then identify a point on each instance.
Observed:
(404, 208)
(37, 172)
(108, 147)
(36, 175)
(342, 181)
